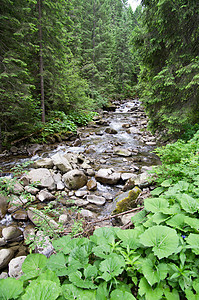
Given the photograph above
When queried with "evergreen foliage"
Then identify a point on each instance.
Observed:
(167, 42)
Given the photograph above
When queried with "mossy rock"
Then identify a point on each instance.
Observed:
(127, 200)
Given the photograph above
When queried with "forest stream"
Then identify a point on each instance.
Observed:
(117, 141)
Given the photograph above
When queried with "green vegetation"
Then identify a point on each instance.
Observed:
(158, 258)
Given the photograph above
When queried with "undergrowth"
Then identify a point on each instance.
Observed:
(158, 259)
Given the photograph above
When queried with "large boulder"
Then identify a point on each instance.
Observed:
(3, 206)
(42, 177)
(107, 176)
(127, 200)
(12, 233)
(61, 162)
(75, 179)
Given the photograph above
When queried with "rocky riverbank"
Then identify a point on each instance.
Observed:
(104, 173)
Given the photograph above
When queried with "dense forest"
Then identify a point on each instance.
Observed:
(61, 60)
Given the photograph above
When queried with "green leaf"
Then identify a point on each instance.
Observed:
(129, 237)
(151, 293)
(76, 279)
(118, 294)
(49, 275)
(177, 221)
(182, 186)
(166, 183)
(34, 262)
(193, 241)
(157, 191)
(188, 203)
(190, 295)
(102, 251)
(163, 240)
(90, 272)
(78, 255)
(104, 235)
(112, 267)
(139, 217)
(159, 217)
(192, 222)
(42, 290)
(10, 288)
(57, 263)
(171, 295)
(155, 204)
(102, 291)
(154, 273)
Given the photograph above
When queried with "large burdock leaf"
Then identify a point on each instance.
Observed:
(193, 241)
(42, 290)
(163, 240)
(118, 294)
(10, 288)
(188, 203)
(34, 262)
(155, 204)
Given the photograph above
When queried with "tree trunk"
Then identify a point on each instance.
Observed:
(41, 64)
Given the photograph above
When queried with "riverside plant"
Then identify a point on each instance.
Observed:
(158, 259)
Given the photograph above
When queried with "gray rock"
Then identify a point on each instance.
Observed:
(32, 190)
(61, 162)
(20, 215)
(87, 213)
(44, 245)
(5, 257)
(110, 130)
(75, 179)
(14, 267)
(126, 176)
(11, 233)
(64, 219)
(81, 193)
(81, 202)
(29, 232)
(3, 275)
(2, 242)
(92, 185)
(98, 200)
(42, 177)
(122, 152)
(107, 176)
(44, 163)
(107, 196)
(44, 195)
(125, 219)
(3, 206)
(18, 188)
(60, 186)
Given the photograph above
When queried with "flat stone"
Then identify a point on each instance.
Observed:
(122, 152)
(44, 195)
(126, 176)
(81, 193)
(20, 215)
(87, 213)
(44, 245)
(97, 200)
(60, 186)
(61, 162)
(75, 179)
(5, 257)
(32, 190)
(15, 265)
(42, 177)
(44, 163)
(107, 176)
(92, 185)
(81, 202)
(11, 233)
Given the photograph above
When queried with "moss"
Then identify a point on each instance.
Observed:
(127, 200)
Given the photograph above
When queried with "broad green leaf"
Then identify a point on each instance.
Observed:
(104, 235)
(188, 203)
(42, 290)
(155, 204)
(149, 292)
(112, 267)
(70, 291)
(49, 275)
(163, 240)
(57, 263)
(190, 295)
(76, 279)
(129, 237)
(118, 294)
(157, 191)
(90, 272)
(102, 251)
(139, 217)
(192, 222)
(171, 295)
(182, 186)
(34, 262)
(177, 221)
(10, 288)
(166, 183)
(193, 241)
(154, 273)
(159, 217)
(174, 209)
(78, 255)
(65, 244)
(102, 292)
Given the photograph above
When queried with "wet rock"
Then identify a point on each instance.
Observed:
(107, 196)
(2, 242)
(61, 163)
(42, 177)
(38, 218)
(97, 200)
(80, 202)
(92, 185)
(20, 215)
(44, 245)
(44, 195)
(107, 176)
(127, 200)
(3, 206)
(5, 257)
(81, 193)
(87, 214)
(90, 172)
(14, 267)
(75, 179)
(126, 176)
(111, 130)
(144, 180)
(11, 233)
(151, 143)
(64, 219)
(32, 190)
(122, 152)
(44, 163)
